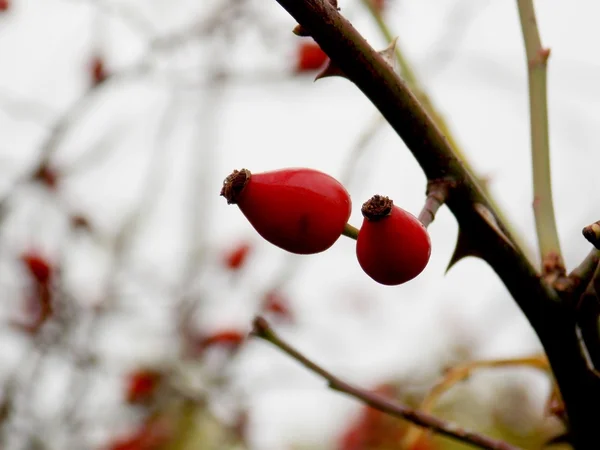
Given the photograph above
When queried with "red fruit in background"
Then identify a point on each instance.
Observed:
(373, 429)
(38, 266)
(47, 176)
(98, 70)
(393, 247)
(4, 5)
(142, 385)
(231, 339)
(275, 303)
(237, 257)
(310, 57)
(300, 210)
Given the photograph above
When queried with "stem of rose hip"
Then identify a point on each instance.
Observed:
(350, 231)
(437, 193)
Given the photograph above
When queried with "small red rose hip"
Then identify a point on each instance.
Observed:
(300, 210)
(393, 247)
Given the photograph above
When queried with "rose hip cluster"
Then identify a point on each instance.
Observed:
(305, 211)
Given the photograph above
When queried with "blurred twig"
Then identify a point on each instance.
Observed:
(461, 372)
(262, 330)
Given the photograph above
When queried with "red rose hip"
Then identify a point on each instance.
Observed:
(393, 247)
(300, 210)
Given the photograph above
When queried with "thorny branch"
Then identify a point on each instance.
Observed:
(551, 317)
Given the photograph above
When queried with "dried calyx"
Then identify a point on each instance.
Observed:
(377, 207)
(234, 184)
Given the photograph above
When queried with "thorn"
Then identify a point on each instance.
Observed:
(389, 53)
(544, 54)
(330, 70)
(464, 248)
(299, 30)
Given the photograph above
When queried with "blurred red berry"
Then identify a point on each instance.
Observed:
(225, 337)
(373, 429)
(142, 385)
(47, 176)
(4, 5)
(275, 303)
(236, 258)
(310, 57)
(38, 267)
(98, 70)
(354, 438)
(228, 339)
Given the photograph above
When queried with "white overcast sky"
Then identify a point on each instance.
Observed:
(470, 57)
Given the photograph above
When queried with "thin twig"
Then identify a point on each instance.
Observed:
(350, 231)
(460, 373)
(262, 329)
(543, 207)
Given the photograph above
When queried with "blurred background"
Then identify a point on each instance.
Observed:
(128, 286)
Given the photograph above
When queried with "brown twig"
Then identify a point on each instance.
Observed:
(262, 329)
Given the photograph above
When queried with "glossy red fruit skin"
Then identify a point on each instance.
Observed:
(300, 210)
(310, 57)
(394, 249)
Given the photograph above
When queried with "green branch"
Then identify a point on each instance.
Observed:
(543, 207)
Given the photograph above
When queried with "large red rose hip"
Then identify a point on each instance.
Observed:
(393, 247)
(300, 210)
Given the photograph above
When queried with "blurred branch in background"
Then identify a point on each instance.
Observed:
(262, 330)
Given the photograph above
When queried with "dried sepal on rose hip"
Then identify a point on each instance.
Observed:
(393, 247)
(300, 210)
